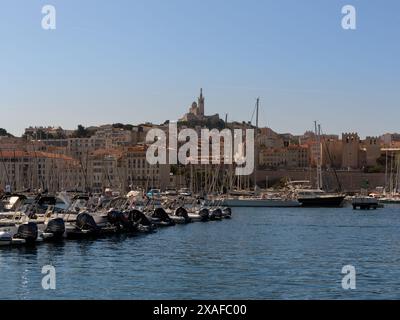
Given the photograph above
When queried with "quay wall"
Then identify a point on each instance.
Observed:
(351, 181)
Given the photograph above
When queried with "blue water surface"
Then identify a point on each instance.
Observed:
(273, 253)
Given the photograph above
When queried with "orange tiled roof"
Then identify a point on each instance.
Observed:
(32, 154)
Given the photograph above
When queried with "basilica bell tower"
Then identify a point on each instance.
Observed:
(201, 103)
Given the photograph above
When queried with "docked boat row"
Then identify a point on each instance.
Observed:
(29, 219)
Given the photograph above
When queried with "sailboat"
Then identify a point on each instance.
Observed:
(319, 198)
(249, 200)
(392, 184)
(309, 197)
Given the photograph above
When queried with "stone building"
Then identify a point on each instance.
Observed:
(196, 111)
(372, 147)
(332, 152)
(351, 151)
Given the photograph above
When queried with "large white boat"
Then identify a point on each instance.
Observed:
(255, 202)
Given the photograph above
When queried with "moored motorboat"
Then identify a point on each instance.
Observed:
(161, 218)
(141, 222)
(5, 238)
(180, 216)
(54, 229)
(227, 213)
(84, 227)
(365, 203)
(9, 204)
(200, 215)
(215, 214)
(28, 232)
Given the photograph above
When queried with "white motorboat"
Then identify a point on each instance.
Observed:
(5, 238)
(27, 232)
(198, 215)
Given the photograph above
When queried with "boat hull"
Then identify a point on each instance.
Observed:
(389, 201)
(322, 202)
(260, 203)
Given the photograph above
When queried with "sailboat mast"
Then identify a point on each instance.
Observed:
(257, 110)
(386, 171)
(318, 138)
(320, 156)
(255, 146)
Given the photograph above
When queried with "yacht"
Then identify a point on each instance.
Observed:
(319, 198)
(309, 197)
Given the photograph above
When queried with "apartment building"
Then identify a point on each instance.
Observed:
(123, 169)
(289, 157)
(139, 173)
(22, 170)
(104, 168)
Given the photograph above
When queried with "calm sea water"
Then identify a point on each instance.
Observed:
(259, 254)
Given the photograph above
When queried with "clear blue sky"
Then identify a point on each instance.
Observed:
(133, 61)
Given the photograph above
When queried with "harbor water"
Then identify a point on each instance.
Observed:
(272, 253)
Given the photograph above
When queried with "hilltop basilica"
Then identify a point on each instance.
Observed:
(196, 111)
